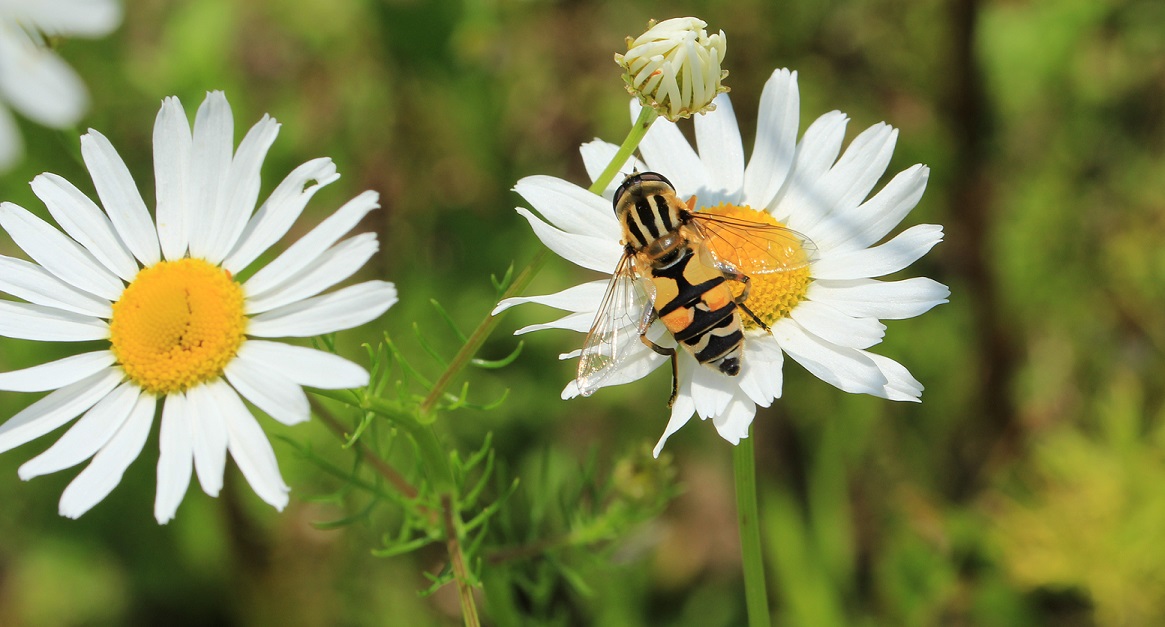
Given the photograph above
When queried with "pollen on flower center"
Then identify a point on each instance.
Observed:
(178, 324)
(772, 295)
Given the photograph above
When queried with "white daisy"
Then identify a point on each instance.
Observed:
(33, 79)
(182, 330)
(826, 316)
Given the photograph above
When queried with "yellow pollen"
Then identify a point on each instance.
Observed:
(178, 324)
(771, 295)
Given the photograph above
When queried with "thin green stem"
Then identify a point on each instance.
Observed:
(647, 115)
(755, 590)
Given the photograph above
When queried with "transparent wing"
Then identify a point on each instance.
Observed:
(753, 247)
(624, 315)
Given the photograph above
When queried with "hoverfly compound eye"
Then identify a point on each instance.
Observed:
(655, 177)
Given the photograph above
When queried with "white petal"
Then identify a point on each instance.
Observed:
(88, 435)
(58, 254)
(761, 376)
(253, 454)
(78, 18)
(776, 139)
(721, 151)
(584, 297)
(36, 285)
(56, 409)
(172, 146)
(269, 390)
(845, 368)
(876, 217)
(636, 365)
(850, 180)
(280, 211)
(24, 321)
(594, 253)
(597, 155)
(208, 434)
(800, 204)
(84, 221)
(900, 384)
(667, 152)
(571, 390)
(241, 188)
(56, 374)
(732, 423)
(103, 474)
(570, 207)
(37, 83)
(909, 246)
(343, 309)
(581, 322)
(681, 413)
(886, 300)
(305, 366)
(308, 249)
(836, 327)
(212, 144)
(175, 457)
(11, 145)
(336, 264)
(711, 389)
(120, 197)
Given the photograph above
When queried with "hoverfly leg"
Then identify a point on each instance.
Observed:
(753, 316)
(666, 352)
(662, 350)
(675, 379)
(743, 278)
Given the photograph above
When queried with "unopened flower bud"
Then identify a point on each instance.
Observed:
(674, 67)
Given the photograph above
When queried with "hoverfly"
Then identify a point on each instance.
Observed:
(675, 267)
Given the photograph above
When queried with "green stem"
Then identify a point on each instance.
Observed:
(755, 590)
(647, 115)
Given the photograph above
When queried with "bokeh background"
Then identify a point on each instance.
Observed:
(1027, 488)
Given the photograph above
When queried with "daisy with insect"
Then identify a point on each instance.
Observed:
(812, 290)
(183, 332)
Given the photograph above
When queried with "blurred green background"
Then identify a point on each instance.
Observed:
(1028, 488)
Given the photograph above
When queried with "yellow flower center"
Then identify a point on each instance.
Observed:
(178, 324)
(772, 295)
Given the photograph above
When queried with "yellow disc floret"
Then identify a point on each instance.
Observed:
(777, 264)
(178, 324)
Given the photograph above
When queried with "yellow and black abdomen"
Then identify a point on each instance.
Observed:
(696, 305)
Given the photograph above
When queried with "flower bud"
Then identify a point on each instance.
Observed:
(674, 67)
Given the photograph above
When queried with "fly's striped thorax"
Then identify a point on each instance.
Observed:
(648, 216)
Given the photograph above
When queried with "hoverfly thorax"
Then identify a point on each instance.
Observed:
(648, 209)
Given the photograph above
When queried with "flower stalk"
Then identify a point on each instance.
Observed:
(752, 559)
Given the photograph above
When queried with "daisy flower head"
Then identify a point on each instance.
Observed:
(674, 67)
(184, 333)
(33, 79)
(824, 315)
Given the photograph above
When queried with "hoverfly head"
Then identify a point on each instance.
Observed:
(634, 184)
